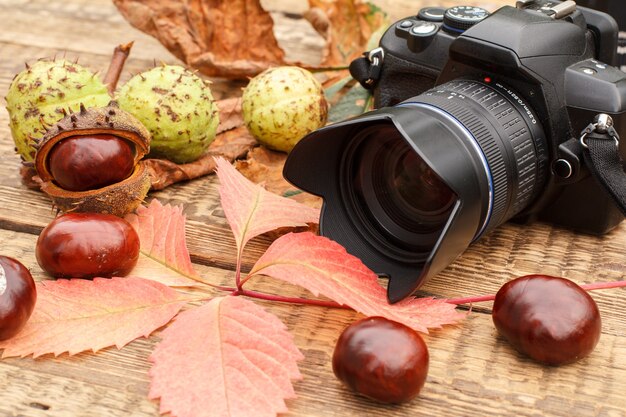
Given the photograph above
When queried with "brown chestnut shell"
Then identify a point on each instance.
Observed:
(119, 198)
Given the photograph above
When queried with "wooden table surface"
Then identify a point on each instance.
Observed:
(473, 372)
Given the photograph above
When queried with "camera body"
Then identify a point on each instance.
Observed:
(478, 122)
(553, 56)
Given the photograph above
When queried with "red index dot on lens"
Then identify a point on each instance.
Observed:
(487, 79)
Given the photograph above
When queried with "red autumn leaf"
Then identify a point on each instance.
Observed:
(324, 267)
(266, 166)
(227, 358)
(163, 254)
(78, 315)
(251, 210)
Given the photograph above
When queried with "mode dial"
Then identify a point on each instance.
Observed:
(460, 18)
(431, 14)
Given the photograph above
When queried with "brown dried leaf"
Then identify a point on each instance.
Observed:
(266, 167)
(319, 20)
(231, 144)
(235, 39)
(232, 39)
(230, 114)
(351, 23)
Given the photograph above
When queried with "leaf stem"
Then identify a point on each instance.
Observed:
(243, 281)
(604, 285)
(225, 289)
(470, 300)
(238, 281)
(196, 278)
(291, 300)
(120, 53)
(201, 281)
(325, 69)
(491, 297)
(279, 298)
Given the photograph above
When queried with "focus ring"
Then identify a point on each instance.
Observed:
(513, 159)
(516, 127)
(486, 142)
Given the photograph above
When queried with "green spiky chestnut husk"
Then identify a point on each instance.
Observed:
(283, 104)
(178, 109)
(43, 93)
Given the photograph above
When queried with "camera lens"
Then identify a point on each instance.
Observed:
(396, 190)
(415, 190)
(503, 132)
(408, 188)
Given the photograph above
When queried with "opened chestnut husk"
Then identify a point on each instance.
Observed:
(90, 161)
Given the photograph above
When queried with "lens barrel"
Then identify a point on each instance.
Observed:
(510, 138)
(408, 188)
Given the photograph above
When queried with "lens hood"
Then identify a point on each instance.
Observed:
(320, 165)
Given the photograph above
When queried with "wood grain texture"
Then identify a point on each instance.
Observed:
(473, 372)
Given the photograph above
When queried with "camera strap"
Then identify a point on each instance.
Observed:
(366, 69)
(601, 152)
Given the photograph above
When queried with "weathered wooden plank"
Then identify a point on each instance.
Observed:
(472, 370)
(31, 393)
(74, 26)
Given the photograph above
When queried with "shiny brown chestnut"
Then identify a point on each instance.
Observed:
(381, 359)
(18, 295)
(550, 319)
(87, 245)
(119, 197)
(83, 163)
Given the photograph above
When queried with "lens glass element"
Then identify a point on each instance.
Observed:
(397, 191)
(416, 192)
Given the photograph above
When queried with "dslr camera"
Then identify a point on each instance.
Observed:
(478, 122)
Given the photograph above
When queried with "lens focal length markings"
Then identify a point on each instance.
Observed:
(508, 134)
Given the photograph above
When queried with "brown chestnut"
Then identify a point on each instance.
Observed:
(381, 359)
(81, 163)
(18, 295)
(87, 245)
(117, 138)
(550, 319)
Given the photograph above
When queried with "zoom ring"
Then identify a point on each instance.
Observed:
(488, 115)
(516, 128)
